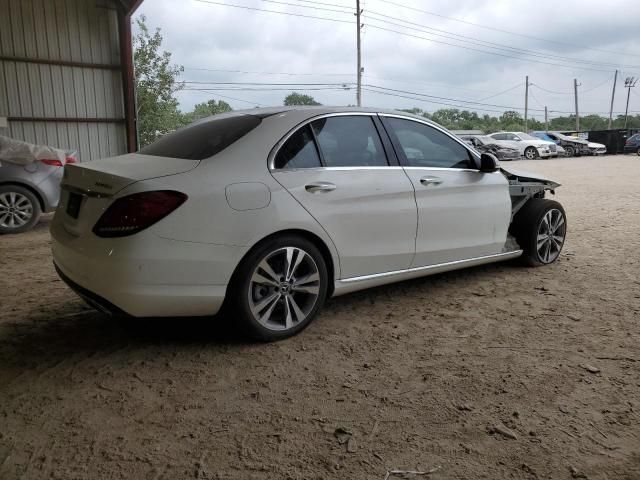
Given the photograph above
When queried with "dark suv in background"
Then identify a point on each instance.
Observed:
(632, 145)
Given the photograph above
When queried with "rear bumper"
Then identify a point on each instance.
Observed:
(631, 148)
(145, 277)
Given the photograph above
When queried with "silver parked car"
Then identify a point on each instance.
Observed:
(271, 211)
(29, 184)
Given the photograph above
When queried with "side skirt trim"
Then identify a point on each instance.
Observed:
(353, 284)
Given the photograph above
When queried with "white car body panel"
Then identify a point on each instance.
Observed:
(540, 145)
(465, 216)
(379, 225)
(363, 200)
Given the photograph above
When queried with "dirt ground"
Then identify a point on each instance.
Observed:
(481, 373)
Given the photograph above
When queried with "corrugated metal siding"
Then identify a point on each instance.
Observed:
(62, 30)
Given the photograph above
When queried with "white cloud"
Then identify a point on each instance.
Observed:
(209, 36)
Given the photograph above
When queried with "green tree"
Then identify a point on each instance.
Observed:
(295, 98)
(206, 109)
(156, 84)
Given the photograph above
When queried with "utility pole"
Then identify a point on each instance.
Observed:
(546, 119)
(575, 90)
(526, 102)
(358, 28)
(629, 83)
(613, 95)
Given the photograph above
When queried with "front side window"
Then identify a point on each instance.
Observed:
(349, 141)
(499, 136)
(424, 146)
(299, 151)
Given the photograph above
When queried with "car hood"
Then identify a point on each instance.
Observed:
(525, 176)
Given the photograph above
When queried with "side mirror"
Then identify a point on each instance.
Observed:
(488, 162)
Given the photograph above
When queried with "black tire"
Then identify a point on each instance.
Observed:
(531, 153)
(527, 225)
(570, 151)
(241, 289)
(26, 202)
(638, 152)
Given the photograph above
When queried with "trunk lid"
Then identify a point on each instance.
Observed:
(88, 188)
(107, 176)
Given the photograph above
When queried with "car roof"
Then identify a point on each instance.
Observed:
(314, 110)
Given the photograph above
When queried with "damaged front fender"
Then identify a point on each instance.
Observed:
(525, 185)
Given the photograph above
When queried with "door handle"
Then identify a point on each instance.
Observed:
(320, 187)
(430, 181)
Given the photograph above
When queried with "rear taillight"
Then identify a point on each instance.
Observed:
(54, 162)
(130, 214)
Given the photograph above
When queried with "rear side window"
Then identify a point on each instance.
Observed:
(203, 139)
(349, 141)
(299, 151)
(423, 146)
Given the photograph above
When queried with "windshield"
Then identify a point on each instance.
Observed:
(544, 136)
(526, 136)
(204, 138)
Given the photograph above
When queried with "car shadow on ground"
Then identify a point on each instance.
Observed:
(58, 335)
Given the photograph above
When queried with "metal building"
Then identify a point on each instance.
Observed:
(66, 74)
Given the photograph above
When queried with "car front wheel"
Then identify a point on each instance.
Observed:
(540, 228)
(279, 288)
(570, 152)
(19, 209)
(530, 153)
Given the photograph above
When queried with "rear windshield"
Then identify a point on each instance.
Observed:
(203, 139)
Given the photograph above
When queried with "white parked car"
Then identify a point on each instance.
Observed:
(271, 211)
(597, 148)
(529, 146)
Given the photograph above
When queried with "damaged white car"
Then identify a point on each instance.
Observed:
(268, 212)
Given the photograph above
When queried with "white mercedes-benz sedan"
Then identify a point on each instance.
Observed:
(268, 212)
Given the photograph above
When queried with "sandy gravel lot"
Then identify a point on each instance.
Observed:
(479, 372)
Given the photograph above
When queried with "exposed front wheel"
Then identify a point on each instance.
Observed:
(530, 153)
(540, 228)
(19, 209)
(279, 288)
(570, 152)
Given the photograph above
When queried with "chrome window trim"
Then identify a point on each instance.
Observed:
(278, 146)
(276, 149)
(337, 169)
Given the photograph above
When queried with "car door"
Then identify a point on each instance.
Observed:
(337, 168)
(462, 213)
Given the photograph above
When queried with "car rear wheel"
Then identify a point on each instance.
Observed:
(19, 209)
(540, 228)
(279, 288)
(570, 152)
(638, 152)
(530, 153)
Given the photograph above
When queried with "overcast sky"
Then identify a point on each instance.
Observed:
(574, 39)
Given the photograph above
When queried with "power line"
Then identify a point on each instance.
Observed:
(500, 93)
(278, 84)
(229, 98)
(495, 29)
(350, 11)
(244, 7)
(271, 73)
(485, 43)
(481, 51)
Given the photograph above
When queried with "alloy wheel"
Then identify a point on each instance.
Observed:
(551, 234)
(284, 288)
(15, 210)
(530, 153)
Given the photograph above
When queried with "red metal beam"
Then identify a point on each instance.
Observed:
(63, 63)
(128, 80)
(66, 119)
